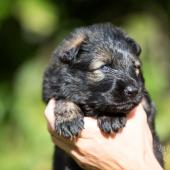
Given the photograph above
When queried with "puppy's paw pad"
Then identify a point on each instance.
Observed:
(69, 128)
(111, 124)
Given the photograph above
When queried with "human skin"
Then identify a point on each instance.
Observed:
(129, 149)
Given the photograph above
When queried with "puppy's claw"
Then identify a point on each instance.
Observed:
(106, 126)
(69, 128)
(111, 124)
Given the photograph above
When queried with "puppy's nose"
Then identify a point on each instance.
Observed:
(131, 91)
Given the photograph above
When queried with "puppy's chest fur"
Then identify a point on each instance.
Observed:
(96, 71)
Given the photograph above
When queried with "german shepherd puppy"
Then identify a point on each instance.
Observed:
(96, 71)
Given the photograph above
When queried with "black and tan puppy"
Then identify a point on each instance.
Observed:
(96, 71)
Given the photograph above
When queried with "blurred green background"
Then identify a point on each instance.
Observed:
(29, 32)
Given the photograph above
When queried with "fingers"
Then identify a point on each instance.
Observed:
(64, 144)
(50, 117)
(90, 125)
(138, 124)
(137, 115)
(49, 113)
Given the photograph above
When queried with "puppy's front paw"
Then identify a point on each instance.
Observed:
(69, 128)
(68, 119)
(111, 124)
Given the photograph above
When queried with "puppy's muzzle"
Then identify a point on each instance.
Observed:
(129, 88)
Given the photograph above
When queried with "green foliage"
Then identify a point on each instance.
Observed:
(37, 16)
(5, 9)
(27, 135)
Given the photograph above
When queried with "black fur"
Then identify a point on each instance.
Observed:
(96, 72)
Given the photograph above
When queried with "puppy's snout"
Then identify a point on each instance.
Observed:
(131, 91)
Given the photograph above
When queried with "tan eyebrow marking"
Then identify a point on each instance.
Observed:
(95, 64)
(96, 75)
(103, 58)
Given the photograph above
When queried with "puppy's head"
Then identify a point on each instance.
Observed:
(103, 66)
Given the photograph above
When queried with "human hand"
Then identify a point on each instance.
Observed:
(129, 149)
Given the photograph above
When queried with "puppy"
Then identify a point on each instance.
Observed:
(96, 71)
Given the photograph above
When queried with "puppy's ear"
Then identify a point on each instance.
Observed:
(68, 56)
(71, 47)
(135, 47)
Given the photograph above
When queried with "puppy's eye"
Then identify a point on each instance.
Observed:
(105, 68)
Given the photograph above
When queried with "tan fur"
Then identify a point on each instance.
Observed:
(137, 71)
(137, 65)
(100, 60)
(75, 42)
(95, 64)
(96, 76)
(72, 109)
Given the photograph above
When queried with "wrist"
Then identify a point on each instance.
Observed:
(146, 162)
